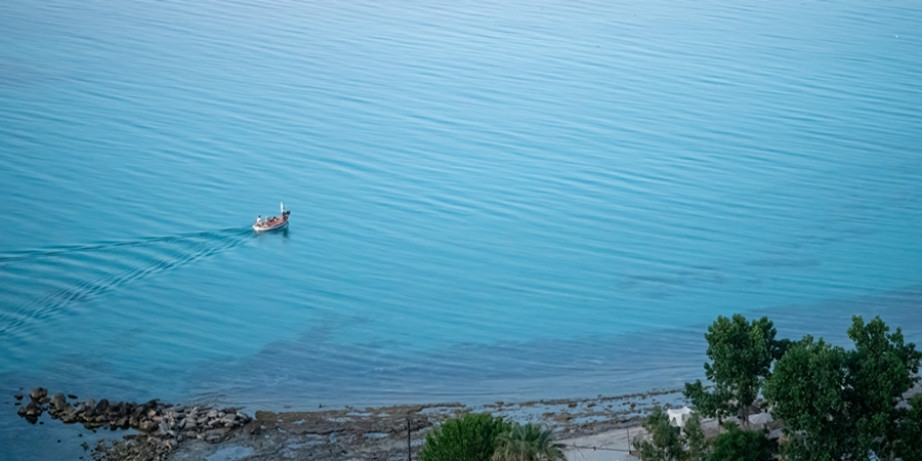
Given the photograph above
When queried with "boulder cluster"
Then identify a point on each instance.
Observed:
(164, 424)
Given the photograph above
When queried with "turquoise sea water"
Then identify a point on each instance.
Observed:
(491, 201)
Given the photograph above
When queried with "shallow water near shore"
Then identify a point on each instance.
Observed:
(489, 202)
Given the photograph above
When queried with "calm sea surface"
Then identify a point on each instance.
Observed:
(491, 200)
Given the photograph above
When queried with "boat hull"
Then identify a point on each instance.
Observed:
(259, 228)
(273, 223)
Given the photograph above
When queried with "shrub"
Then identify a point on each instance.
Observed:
(529, 442)
(471, 437)
(740, 445)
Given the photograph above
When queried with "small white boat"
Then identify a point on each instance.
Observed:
(274, 222)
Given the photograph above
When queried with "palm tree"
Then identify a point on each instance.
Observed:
(529, 442)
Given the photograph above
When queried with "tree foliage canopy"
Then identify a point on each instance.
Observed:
(839, 404)
(740, 445)
(667, 443)
(528, 442)
(880, 369)
(698, 447)
(741, 355)
(472, 437)
(909, 445)
(805, 390)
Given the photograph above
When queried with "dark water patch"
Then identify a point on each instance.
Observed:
(672, 279)
(782, 262)
(831, 318)
(312, 370)
(316, 369)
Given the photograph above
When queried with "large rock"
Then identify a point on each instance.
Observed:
(59, 403)
(89, 407)
(68, 417)
(252, 427)
(38, 394)
(148, 426)
(214, 435)
(102, 408)
(33, 409)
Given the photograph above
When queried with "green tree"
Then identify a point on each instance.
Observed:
(880, 369)
(471, 437)
(844, 404)
(713, 402)
(695, 439)
(741, 356)
(908, 446)
(529, 442)
(807, 392)
(741, 445)
(665, 442)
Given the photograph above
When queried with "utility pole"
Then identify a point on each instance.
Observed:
(409, 450)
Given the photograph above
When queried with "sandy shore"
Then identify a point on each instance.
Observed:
(592, 429)
(610, 445)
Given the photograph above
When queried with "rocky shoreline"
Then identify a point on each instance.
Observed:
(160, 427)
(161, 432)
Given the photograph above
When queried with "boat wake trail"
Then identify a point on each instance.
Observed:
(42, 284)
(31, 255)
